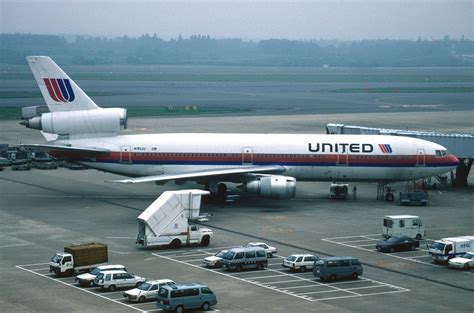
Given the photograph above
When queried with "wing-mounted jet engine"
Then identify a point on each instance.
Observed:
(272, 186)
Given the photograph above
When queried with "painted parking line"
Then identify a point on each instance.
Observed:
(300, 285)
(370, 235)
(24, 268)
(40, 269)
(337, 240)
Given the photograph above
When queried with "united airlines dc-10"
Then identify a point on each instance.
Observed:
(269, 165)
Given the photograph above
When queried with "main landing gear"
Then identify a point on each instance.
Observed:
(218, 193)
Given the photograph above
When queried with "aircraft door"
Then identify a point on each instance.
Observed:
(342, 169)
(247, 156)
(125, 154)
(420, 157)
(343, 159)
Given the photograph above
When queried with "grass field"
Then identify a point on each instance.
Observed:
(198, 73)
(405, 90)
(37, 94)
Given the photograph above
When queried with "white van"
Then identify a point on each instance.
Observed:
(403, 225)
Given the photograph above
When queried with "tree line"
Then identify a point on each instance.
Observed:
(203, 50)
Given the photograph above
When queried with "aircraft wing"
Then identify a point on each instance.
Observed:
(58, 148)
(267, 169)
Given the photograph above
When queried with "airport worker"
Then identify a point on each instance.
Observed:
(354, 192)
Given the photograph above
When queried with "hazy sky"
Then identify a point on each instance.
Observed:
(249, 19)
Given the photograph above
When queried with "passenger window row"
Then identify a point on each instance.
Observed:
(184, 293)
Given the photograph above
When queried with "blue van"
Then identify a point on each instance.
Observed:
(185, 296)
(336, 267)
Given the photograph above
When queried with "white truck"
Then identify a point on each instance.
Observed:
(447, 248)
(403, 225)
(78, 259)
(166, 221)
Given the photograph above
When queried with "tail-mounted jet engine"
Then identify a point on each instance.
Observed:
(97, 121)
(273, 187)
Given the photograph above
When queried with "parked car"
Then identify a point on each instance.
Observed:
(299, 262)
(238, 259)
(112, 280)
(21, 167)
(268, 249)
(146, 291)
(185, 296)
(465, 261)
(87, 279)
(50, 165)
(336, 267)
(397, 243)
(214, 260)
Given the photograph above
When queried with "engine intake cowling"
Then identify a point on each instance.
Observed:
(273, 187)
(98, 121)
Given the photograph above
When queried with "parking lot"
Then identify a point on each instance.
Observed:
(42, 269)
(367, 243)
(300, 285)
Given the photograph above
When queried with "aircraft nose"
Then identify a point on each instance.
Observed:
(454, 159)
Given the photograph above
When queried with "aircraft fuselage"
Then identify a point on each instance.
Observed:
(304, 156)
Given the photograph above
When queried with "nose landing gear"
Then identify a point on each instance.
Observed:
(385, 192)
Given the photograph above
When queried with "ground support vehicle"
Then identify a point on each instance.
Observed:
(181, 297)
(237, 259)
(414, 198)
(146, 291)
(339, 191)
(166, 221)
(403, 225)
(78, 259)
(443, 250)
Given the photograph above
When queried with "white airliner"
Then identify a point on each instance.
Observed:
(265, 164)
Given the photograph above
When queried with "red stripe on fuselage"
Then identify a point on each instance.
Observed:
(297, 158)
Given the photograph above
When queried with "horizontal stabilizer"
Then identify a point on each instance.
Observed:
(270, 169)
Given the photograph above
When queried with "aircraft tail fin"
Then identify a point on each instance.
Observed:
(59, 91)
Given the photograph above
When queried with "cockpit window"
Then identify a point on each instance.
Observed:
(441, 153)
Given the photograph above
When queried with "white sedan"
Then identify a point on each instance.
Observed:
(214, 260)
(268, 249)
(146, 291)
(466, 261)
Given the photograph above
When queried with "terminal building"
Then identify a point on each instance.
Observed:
(461, 145)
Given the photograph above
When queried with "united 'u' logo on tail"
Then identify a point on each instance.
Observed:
(59, 89)
(385, 148)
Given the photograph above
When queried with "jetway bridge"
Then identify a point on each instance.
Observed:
(461, 145)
